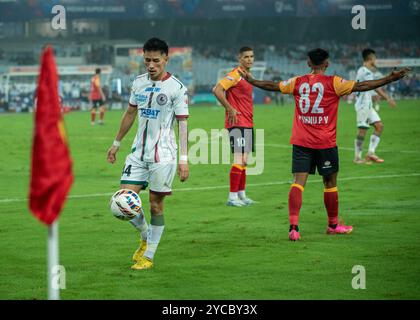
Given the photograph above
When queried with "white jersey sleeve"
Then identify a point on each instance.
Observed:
(180, 103)
(133, 100)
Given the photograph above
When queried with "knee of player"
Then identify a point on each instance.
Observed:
(361, 133)
(329, 182)
(156, 207)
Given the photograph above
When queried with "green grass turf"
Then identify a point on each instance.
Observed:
(208, 250)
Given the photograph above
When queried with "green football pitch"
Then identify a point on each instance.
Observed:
(209, 250)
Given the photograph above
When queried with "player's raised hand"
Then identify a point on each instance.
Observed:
(245, 74)
(183, 171)
(392, 103)
(111, 155)
(398, 74)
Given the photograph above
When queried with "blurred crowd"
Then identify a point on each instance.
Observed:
(345, 53)
(74, 91)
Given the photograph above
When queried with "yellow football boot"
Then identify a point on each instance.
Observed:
(142, 263)
(140, 251)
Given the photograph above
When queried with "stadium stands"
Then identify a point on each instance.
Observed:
(283, 61)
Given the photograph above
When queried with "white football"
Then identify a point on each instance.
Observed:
(125, 204)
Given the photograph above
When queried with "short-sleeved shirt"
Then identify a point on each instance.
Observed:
(239, 95)
(95, 85)
(316, 107)
(364, 99)
(158, 104)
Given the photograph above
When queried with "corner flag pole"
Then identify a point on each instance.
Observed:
(53, 265)
(51, 166)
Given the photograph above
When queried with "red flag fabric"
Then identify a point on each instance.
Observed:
(51, 174)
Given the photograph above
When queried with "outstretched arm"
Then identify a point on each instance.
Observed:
(373, 84)
(262, 84)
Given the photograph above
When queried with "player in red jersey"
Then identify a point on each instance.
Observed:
(97, 97)
(235, 94)
(314, 131)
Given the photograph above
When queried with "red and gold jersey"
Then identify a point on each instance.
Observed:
(239, 95)
(316, 105)
(95, 85)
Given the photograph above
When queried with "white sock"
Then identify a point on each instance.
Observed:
(139, 222)
(374, 141)
(233, 196)
(242, 194)
(153, 236)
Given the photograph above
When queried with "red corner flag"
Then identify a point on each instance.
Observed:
(51, 176)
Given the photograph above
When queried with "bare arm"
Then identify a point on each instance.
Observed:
(262, 84)
(102, 94)
(220, 95)
(381, 92)
(126, 122)
(265, 84)
(373, 84)
(183, 171)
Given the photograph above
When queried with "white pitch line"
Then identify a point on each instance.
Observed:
(288, 146)
(264, 184)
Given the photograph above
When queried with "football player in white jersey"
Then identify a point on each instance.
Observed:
(366, 114)
(157, 98)
(375, 96)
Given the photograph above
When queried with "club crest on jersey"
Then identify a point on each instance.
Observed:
(149, 113)
(162, 99)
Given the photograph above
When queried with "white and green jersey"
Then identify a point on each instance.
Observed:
(364, 99)
(376, 75)
(158, 104)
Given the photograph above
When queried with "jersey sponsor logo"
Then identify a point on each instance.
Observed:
(162, 99)
(152, 89)
(230, 78)
(140, 97)
(149, 113)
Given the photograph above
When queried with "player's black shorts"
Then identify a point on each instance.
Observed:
(97, 103)
(306, 159)
(241, 139)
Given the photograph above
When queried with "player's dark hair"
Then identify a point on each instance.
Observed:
(318, 56)
(245, 49)
(155, 44)
(98, 70)
(366, 53)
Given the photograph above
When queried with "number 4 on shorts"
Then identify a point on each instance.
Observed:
(127, 171)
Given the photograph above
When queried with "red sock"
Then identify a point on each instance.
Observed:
(92, 116)
(235, 177)
(331, 204)
(242, 182)
(295, 203)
